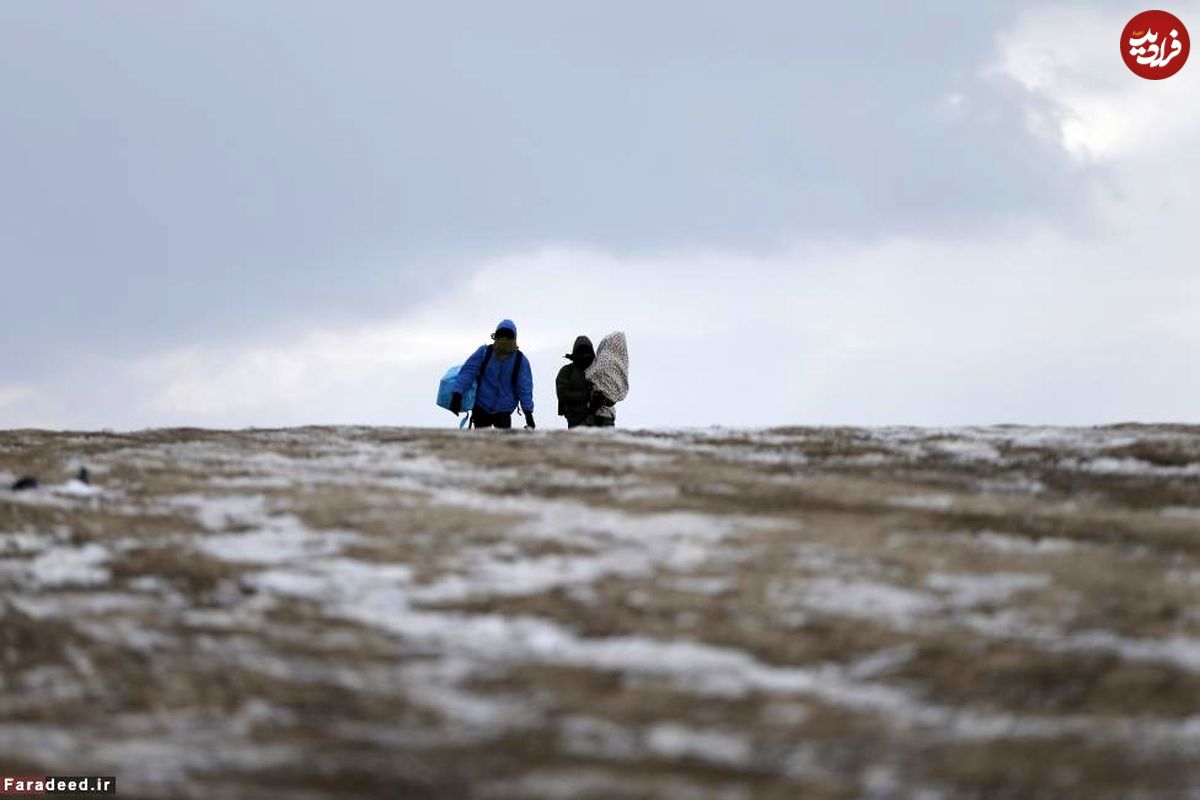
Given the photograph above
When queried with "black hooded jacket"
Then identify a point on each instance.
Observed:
(573, 387)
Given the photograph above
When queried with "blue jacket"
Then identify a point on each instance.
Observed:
(495, 390)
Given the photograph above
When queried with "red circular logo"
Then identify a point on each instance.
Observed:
(1155, 45)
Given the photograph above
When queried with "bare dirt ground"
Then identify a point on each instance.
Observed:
(795, 613)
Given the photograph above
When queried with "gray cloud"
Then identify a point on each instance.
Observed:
(207, 171)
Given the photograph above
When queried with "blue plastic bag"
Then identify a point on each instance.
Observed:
(446, 389)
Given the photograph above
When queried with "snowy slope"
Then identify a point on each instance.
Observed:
(367, 612)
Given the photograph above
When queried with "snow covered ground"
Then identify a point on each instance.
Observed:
(819, 613)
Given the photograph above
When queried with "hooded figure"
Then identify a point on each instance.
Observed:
(503, 376)
(609, 374)
(574, 389)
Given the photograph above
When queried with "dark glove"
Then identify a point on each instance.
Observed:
(529, 420)
(456, 403)
(598, 399)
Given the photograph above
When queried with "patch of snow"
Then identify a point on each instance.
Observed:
(966, 591)
(291, 583)
(929, 502)
(644, 492)
(1179, 651)
(625, 545)
(501, 578)
(1007, 543)
(77, 605)
(868, 600)
(621, 544)
(1107, 465)
(968, 450)
(233, 619)
(863, 460)
(42, 496)
(558, 784)
(250, 482)
(77, 488)
(1191, 577)
(162, 764)
(1181, 512)
(638, 460)
(881, 662)
(220, 512)
(271, 539)
(23, 542)
(600, 738)
(674, 741)
(490, 714)
(67, 566)
(334, 580)
(150, 584)
(701, 585)
(823, 558)
(767, 449)
(128, 632)
(1014, 484)
(288, 541)
(704, 669)
(1056, 438)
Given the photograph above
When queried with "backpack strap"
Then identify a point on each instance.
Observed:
(487, 356)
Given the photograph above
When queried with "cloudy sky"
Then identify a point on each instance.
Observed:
(279, 213)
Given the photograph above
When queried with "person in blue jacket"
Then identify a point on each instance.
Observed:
(504, 377)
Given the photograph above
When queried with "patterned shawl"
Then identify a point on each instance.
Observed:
(609, 373)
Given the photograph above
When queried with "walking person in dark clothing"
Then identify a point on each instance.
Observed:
(573, 387)
(503, 378)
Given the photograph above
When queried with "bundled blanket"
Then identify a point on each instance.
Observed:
(609, 373)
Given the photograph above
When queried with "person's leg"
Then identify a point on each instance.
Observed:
(481, 418)
(502, 421)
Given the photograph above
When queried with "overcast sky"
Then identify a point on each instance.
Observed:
(278, 213)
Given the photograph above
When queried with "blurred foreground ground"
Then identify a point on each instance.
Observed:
(795, 613)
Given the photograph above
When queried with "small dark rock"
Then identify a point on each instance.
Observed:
(25, 482)
(82, 477)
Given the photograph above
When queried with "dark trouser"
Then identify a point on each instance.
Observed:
(482, 419)
(593, 421)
